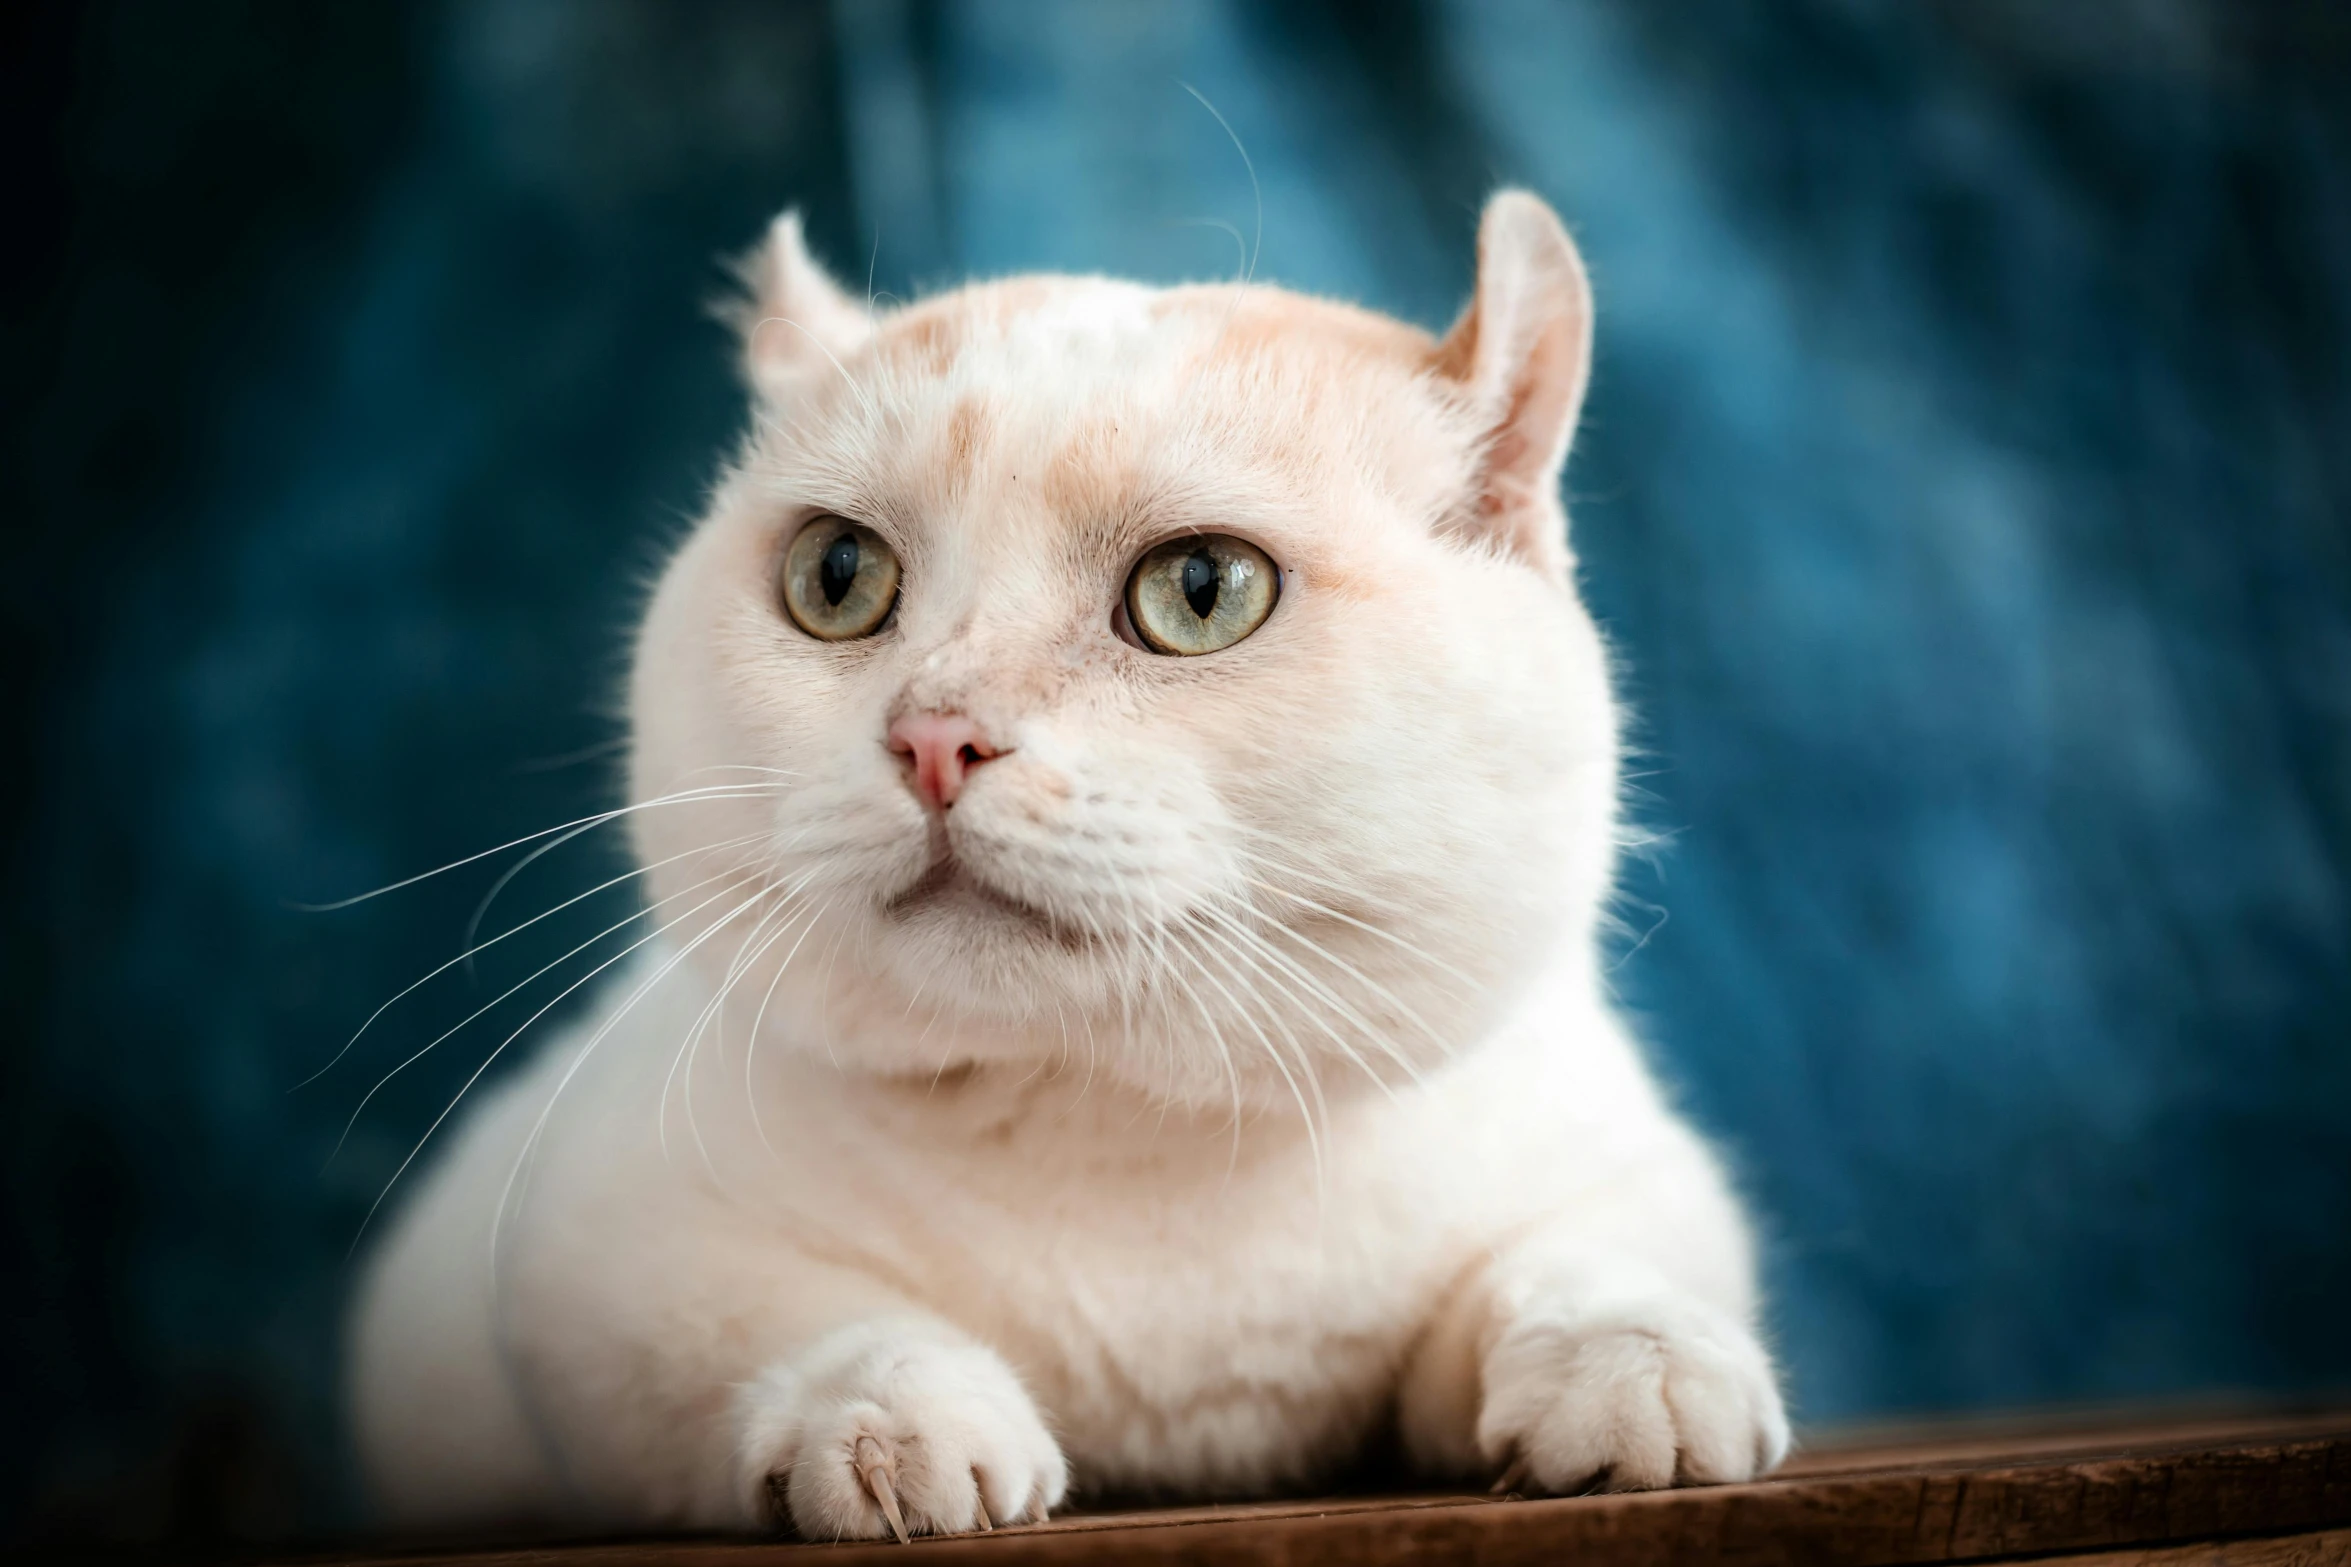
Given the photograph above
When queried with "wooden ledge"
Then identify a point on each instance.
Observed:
(2262, 1491)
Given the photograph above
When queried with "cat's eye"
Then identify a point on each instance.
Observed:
(1200, 593)
(840, 579)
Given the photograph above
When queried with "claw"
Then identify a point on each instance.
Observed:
(1512, 1477)
(873, 1469)
(980, 1505)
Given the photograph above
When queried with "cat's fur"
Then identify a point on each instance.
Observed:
(1225, 1080)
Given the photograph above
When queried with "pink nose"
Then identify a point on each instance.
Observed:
(944, 748)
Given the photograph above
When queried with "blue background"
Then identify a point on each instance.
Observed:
(1966, 480)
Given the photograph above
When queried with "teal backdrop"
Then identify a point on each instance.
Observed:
(1966, 483)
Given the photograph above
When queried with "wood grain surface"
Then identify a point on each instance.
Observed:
(2246, 1491)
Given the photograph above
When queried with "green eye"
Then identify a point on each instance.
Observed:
(1198, 594)
(840, 579)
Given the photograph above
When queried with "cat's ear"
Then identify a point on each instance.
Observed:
(796, 321)
(1521, 354)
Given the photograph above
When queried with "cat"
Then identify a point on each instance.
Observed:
(1127, 791)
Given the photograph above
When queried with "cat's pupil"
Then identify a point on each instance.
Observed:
(838, 569)
(1200, 582)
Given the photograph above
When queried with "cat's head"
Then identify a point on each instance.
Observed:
(1186, 684)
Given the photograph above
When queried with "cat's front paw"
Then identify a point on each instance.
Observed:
(1630, 1396)
(877, 1433)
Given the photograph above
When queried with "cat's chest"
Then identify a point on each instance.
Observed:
(1228, 1308)
(1236, 1358)
(1213, 1308)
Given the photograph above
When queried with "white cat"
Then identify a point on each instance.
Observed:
(1127, 789)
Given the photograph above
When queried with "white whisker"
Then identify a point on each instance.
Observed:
(751, 1042)
(1288, 977)
(864, 398)
(1256, 191)
(1313, 1136)
(467, 1086)
(472, 951)
(539, 1126)
(715, 792)
(714, 1011)
(1390, 937)
(1379, 991)
(502, 996)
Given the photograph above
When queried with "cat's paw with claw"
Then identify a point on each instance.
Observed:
(879, 1433)
(1631, 1395)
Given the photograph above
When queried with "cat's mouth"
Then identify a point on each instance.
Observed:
(950, 884)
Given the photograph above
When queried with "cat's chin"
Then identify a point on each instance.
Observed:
(951, 898)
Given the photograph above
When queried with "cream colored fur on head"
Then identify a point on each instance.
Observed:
(1219, 1081)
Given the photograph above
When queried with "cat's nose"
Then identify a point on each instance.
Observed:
(944, 749)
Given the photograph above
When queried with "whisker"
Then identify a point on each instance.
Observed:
(1256, 191)
(669, 965)
(715, 1010)
(751, 1043)
(509, 931)
(864, 399)
(467, 1086)
(1270, 854)
(1277, 1012)
(1378, 990)
(715, 792)
(496, 1000)
(690, 1045)
(1313, 1137)
(1224, 954)
(1370, 930)
(1250, 944)
(482, 909)
(824, 993)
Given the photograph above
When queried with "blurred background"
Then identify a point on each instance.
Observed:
(1967, 482)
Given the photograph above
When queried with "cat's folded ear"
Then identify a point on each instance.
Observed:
(1521, 354)
(796, 322)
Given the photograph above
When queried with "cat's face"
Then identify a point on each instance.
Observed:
(956, 786)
